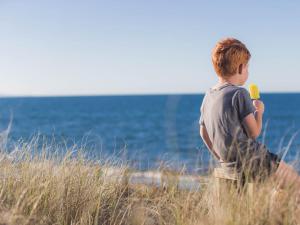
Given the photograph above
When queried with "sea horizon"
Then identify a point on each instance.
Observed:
(129, 94)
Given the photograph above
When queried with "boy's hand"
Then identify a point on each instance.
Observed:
(253, 122)
(259, 106)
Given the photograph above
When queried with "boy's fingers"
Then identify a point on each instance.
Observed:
(259, 105)
(256, 103)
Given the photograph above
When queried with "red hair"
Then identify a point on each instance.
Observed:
(228, 55)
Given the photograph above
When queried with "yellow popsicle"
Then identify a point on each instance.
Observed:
(254, 92)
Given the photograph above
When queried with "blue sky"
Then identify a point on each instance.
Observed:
(55, 47)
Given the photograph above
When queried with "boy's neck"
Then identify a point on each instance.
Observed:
(230, 80)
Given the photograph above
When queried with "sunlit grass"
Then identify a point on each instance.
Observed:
(41, 188)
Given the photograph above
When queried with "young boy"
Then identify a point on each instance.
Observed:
(230, 121)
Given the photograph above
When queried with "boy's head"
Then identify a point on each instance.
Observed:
(229, 57)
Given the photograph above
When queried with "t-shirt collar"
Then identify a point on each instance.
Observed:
(220, 86)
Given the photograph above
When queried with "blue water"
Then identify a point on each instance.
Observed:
(143, 130)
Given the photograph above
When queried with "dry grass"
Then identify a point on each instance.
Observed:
(43, 189)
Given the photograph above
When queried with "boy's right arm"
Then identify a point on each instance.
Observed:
(253, 122)
(207, 141)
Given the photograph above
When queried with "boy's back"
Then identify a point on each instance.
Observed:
(223, 109)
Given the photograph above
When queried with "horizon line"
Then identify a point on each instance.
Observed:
(127, 94)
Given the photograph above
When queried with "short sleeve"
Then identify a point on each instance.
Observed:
(243, 103)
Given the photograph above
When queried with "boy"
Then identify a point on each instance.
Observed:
(230, 122)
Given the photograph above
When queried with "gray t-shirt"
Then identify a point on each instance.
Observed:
(222, 112)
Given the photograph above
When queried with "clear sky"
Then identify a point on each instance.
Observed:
(70, 47)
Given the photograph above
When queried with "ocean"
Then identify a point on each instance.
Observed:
(143, 131)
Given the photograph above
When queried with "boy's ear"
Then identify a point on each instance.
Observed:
(240, 68)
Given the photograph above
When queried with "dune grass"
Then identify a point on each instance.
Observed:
(38, 188)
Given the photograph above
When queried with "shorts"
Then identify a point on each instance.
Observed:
(254, 164)
(259, 167)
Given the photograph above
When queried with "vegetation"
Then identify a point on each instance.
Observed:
(38, 188)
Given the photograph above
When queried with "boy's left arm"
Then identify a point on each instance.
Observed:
(207, 141)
